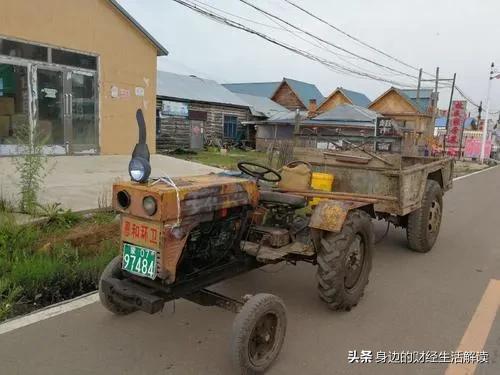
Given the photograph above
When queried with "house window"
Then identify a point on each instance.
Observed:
(230, 126)
(24, 50)
(74, 59)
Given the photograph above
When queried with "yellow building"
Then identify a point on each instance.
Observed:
(76, 71)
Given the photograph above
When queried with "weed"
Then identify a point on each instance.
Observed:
(16, 240)
(31, 166)
(57, 217)
(6, 205)
(8, 297)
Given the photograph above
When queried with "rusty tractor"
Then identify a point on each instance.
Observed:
(179, 236)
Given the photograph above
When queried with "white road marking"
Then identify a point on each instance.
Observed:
(82, 301)
(473, 173)
(49, 312)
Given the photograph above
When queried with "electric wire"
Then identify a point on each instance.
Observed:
(328, 63)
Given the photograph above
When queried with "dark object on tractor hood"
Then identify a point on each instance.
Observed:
(139, 167)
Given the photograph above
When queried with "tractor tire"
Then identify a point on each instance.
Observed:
(344, 262)
(113, 269)
(258, 333)
(424, 223)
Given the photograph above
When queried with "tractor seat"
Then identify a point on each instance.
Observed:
(295, 201)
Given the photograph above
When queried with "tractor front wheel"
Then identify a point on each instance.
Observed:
(258, 334)
(344, 261)
(113, 269)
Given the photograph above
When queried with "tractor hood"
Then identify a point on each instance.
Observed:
(182, 197)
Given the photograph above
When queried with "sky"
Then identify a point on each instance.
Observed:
(459, 36)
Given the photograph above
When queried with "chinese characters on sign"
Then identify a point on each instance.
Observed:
(140, 233)
(457, 118)
(414, 357)
(385, 127)
(169, 108)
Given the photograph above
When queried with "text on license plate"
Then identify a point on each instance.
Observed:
(139, 260)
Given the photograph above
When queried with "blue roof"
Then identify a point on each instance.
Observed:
(253, 88)
(305, 91)
(424, 100)
(356, 98)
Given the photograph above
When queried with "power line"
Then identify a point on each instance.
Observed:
(328, 63)
(236, 16)
(465, 96)
(326, 41)
(353, 37)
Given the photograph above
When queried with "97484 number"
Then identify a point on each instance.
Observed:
(139, 260)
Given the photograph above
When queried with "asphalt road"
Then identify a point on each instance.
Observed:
(415, 302)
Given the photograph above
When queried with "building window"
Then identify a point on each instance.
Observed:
(78, 60)
(230, 126)
(23, 50)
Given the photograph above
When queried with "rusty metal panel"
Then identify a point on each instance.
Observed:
(193, 195)
(330, 215)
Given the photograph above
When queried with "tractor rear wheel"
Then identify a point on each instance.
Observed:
(344, 262)
(258, 334)
(424, 223)
(113, 269)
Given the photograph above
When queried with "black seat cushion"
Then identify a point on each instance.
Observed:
(295, 201)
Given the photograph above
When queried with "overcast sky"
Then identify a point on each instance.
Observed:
(459, 36)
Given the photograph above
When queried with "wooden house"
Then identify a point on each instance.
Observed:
(409, 109)
(289, 93)
(343, 96)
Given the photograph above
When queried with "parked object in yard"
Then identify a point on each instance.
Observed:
(181, 235)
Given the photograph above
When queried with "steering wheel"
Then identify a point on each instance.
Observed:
(259, 171)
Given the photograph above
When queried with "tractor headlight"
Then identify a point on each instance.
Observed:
(149, 205)
(139, 169)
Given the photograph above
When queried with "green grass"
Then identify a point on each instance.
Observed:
(31, 278)
(228, 161)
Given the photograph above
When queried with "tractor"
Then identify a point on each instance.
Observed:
(181, 235)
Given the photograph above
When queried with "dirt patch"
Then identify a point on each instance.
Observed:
(87, 238)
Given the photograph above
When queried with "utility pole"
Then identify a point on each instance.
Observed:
(485, 127)
(479, 110)
(449, 111)
(418, 87)
(436, 98)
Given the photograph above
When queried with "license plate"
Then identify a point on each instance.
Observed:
(139, 260)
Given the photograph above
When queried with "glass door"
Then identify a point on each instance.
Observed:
(51, 110)
(81, 119)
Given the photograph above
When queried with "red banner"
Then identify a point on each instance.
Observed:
(457, 118)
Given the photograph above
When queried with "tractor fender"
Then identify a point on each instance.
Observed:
(330, 215)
